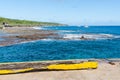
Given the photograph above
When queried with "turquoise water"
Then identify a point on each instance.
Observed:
(52, 49)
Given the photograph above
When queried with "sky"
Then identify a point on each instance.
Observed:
(72, 12)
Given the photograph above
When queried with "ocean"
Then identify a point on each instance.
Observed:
(103, 43)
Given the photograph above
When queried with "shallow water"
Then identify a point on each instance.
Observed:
(49, 49)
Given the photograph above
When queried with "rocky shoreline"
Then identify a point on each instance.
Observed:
(23, 34)
(15, 35)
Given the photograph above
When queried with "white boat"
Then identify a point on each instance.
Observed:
(86, 26)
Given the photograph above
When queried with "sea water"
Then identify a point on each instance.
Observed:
(53, 49)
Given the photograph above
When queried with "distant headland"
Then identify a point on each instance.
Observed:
(25, 23)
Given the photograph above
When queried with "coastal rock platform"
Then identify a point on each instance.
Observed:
(107, 69)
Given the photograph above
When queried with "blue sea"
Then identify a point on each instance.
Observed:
(104, 43)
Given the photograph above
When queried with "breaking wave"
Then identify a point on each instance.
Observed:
(40, 28)
(89, 36)
(46, 40)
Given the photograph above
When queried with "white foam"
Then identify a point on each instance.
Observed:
(66, 31)
(40, 28)
(89, 36)
(46, 39)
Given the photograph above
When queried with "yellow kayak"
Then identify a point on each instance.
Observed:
(84, 65)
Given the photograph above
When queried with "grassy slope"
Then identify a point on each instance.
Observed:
(20, 23)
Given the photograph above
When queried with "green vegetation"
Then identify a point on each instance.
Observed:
(26, 23)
